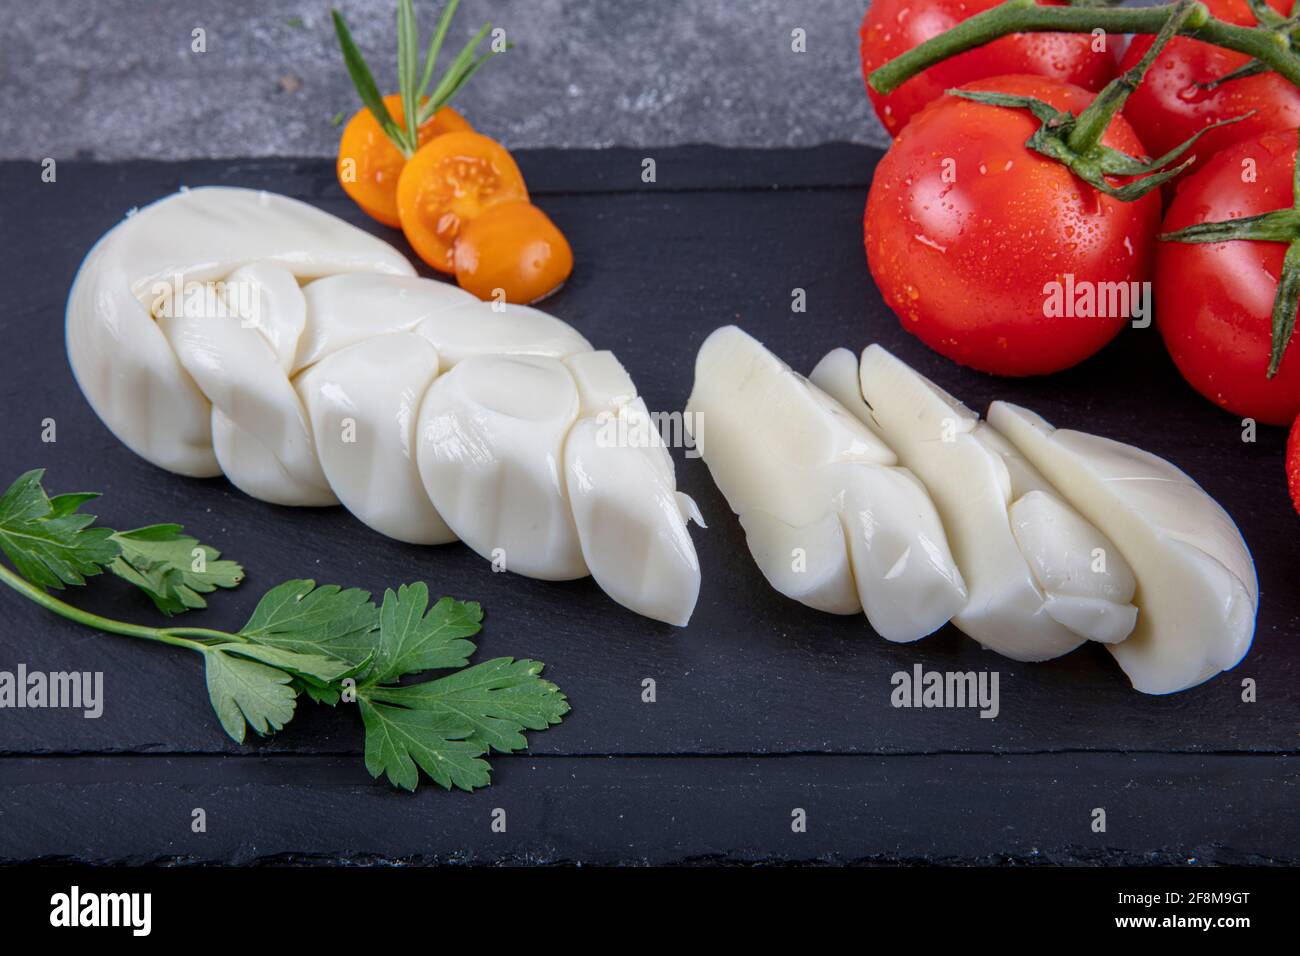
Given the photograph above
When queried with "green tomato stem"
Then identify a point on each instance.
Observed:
(1026, 16)
(1094, 120)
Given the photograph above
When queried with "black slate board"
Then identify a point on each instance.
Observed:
(763, 705)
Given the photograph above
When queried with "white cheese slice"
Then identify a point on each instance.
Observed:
(792, 463)
(1196, 588)
(958, 459)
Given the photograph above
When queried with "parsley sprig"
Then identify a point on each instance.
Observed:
(332, 644)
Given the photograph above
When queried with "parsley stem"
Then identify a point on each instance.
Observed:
(63, 609)
(205, 634)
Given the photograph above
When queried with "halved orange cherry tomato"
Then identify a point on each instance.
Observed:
(449, 182)
(513, 247)
(369, 164)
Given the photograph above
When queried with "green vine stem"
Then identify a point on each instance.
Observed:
(1026, 16)
(1075, 142)
(192, 638)
(1095, 119)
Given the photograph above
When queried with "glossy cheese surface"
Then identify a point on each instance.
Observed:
(868, 487)
(233, 331)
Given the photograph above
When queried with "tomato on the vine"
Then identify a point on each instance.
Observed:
(968, 229)
(892, 27)
(1214, 300)
(1178, 95)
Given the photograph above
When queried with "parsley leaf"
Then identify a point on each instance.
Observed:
(411, 640)
(52, 545)
(327, 620)
(244, 691)
(172, 568)
(329, 643)
(497, 698)
(328, 694)
(397, 740)
(48, 541)
(312, 668)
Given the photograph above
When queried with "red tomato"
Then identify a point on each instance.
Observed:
(967, 230)
(892, 27)
(1216, 299)
(1293, 464)
(1169, 107)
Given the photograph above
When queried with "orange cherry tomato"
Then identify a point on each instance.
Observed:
(448, 183)
(369, 164)
(513, 247)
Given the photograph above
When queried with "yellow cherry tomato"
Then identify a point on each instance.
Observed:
(448, 183)
(369, 164)
(513, 247)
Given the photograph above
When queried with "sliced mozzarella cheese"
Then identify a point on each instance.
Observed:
(1087, 584)
(1196, 587)
(490, 452)
(605, 387)
(119, 355)
(791, 463)
(957, 458)
(363, 401)
(809, 563)
(909, 584)
(631, 520)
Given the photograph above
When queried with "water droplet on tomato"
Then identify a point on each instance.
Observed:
(927, 241)
(1276, 145)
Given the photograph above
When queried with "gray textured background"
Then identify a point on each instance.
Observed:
(113, 79)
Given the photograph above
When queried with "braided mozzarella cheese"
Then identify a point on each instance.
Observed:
(1031, 539)
(428, 414)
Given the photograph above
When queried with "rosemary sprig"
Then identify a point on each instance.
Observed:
(417, 108)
